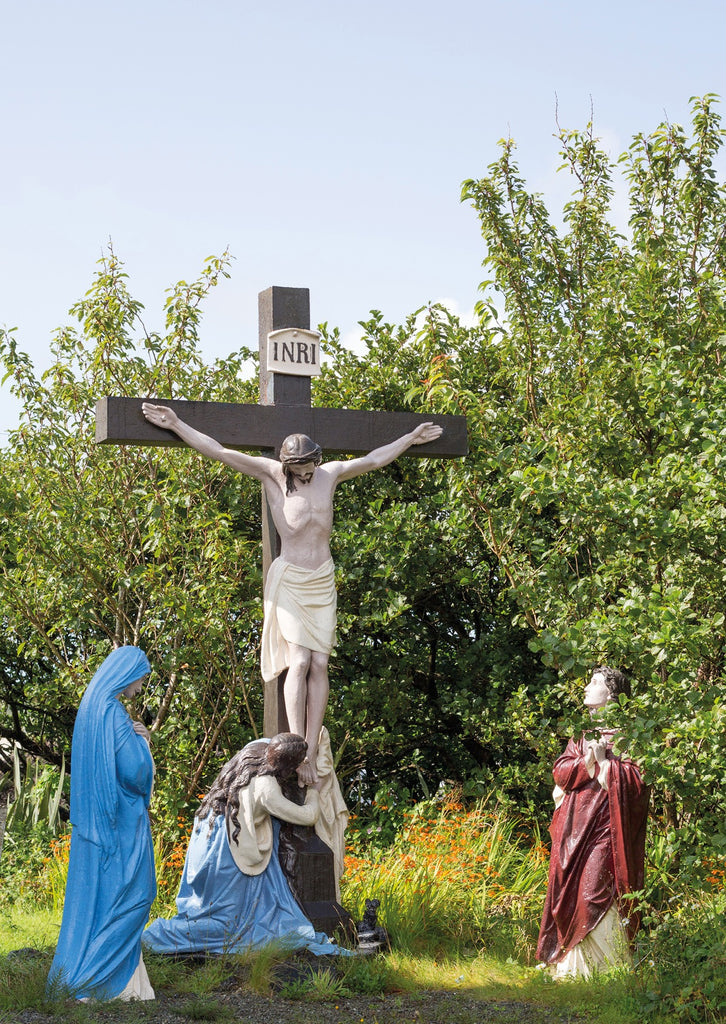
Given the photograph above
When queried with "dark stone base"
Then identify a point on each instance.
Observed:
(309, 867)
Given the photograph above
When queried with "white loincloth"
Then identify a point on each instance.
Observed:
(300, 606)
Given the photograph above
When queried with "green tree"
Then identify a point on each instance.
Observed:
(599, 483)
(108, 545)
(428, 676)
(104, 545)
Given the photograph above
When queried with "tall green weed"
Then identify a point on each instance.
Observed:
(37, 795)
(455, 877)
(682, 971)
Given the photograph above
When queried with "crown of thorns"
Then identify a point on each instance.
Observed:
(299, 448)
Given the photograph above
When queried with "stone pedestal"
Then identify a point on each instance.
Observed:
(309, 868)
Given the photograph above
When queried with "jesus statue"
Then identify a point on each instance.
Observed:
(300, 598)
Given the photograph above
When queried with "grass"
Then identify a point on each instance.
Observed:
(204, 1009)
(461, 892)
(24, 924)
(468, 878)
(682, 986)
(402, 978)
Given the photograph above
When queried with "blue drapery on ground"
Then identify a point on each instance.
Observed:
(222, 910)
(111, 880)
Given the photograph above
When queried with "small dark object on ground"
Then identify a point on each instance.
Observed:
(372, 937)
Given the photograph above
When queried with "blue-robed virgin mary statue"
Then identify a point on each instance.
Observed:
(111, 880)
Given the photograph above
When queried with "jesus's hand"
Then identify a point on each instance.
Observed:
(160, 415)
(426, 432)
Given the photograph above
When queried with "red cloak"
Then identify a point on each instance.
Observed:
(598, 849)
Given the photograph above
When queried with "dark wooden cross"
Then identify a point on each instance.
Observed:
(284, 408)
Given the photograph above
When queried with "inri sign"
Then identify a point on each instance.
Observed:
(295, 351)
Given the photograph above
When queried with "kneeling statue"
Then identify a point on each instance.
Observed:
(233, 895)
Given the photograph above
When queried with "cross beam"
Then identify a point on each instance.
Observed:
(255, 427)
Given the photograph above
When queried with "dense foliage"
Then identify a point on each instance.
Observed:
(102, 545)
(586, 525)
(598, 478)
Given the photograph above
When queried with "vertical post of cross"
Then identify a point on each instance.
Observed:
(279, 308)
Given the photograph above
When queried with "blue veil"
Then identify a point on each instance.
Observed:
(94, 793)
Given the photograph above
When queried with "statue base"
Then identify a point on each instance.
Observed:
(309, 867)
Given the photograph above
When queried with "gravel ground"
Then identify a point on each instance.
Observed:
(247, 1008)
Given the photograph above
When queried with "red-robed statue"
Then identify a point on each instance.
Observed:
(598, 847)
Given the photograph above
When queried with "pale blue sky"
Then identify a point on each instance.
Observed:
(324, 143)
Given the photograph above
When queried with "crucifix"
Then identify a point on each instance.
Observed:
(289, 357)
